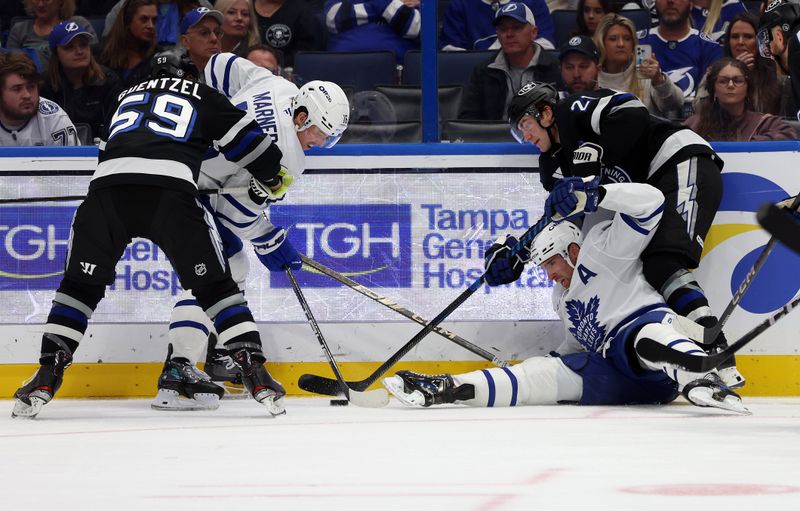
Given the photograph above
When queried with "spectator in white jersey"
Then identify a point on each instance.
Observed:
(683, 52)
(314, 115)
(611, 316)
(25, 118)
(201, 35)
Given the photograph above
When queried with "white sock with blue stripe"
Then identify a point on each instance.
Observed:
(669, 337)
(189, 327)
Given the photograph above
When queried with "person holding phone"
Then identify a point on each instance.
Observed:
(627, 66)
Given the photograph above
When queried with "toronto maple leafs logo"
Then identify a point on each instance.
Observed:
(585, 326)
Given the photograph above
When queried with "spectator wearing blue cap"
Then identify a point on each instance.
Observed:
(201, 35)
(469, 24)
(34, 33)
(169, 13)
(75, 80)
(519, 61)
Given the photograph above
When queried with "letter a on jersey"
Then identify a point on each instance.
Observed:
(585, 273)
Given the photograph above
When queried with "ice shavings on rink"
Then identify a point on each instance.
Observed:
(121, 455)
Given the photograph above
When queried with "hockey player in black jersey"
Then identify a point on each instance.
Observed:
(779, 38)
(612, 135)
(145, 186)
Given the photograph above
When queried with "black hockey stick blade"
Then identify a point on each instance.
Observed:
(780, 224)
(322, 385)
(655, 352)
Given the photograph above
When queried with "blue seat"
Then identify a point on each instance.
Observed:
(454, 67)
(30, 52)
(564, 25)
(407, 101)
(382, 133)
(641, 18)
(359, 70)
(98, 24)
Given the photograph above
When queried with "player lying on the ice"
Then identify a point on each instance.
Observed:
(607, 308)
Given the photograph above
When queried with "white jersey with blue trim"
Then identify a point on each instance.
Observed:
(268, 98)
(608, 290)
(49, 126)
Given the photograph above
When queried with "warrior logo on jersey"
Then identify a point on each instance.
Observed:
(585, 327)
(279, 35)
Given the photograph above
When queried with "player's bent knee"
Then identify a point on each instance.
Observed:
(549, 381)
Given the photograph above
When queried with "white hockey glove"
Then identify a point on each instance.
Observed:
(586, 160)
(272, 190)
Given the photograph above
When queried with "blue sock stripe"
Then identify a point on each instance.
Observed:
(679, 341)
(490, 381)
(189, 324)
(694, 351)
(187, 303)
(687, 298)
(69, 312)
(514, 386)
(228, 312)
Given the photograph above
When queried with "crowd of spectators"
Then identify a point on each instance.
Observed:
(676, 66)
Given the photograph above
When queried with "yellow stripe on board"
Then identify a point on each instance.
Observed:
(767, 375)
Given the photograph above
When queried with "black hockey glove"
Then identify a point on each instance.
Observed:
(586, 160)
(502, 267)
(573, 196)
(272, 190)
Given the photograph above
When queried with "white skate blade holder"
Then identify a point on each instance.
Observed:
(397, 388)
(23, 411)
(170, 400)
(704, 397)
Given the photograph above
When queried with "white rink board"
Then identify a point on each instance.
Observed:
(422, 254)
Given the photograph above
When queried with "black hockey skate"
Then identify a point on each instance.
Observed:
(710, 391)
(182, 386)
(258, 382)
(39, 390)
(415, 389)
(221, 368)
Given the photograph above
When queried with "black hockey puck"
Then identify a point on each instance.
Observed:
(339, 402)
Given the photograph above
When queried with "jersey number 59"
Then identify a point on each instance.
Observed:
(175, 115)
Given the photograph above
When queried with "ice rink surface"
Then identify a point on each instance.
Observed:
(121, 455)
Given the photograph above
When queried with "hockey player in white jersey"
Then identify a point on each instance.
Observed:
(314, 115)
(607, 308)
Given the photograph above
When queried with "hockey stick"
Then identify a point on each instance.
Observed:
(321, 385)
(712, 333)
(71, 198)
(655, 352)
(781, 225)
(370, 399)
(355, 286)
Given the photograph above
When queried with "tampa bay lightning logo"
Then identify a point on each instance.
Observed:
(683, 77)
(585, 326)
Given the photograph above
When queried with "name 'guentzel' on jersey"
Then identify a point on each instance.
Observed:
(177, 120)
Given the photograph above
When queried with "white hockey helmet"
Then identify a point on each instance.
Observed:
(327, 108)
(555, 240)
